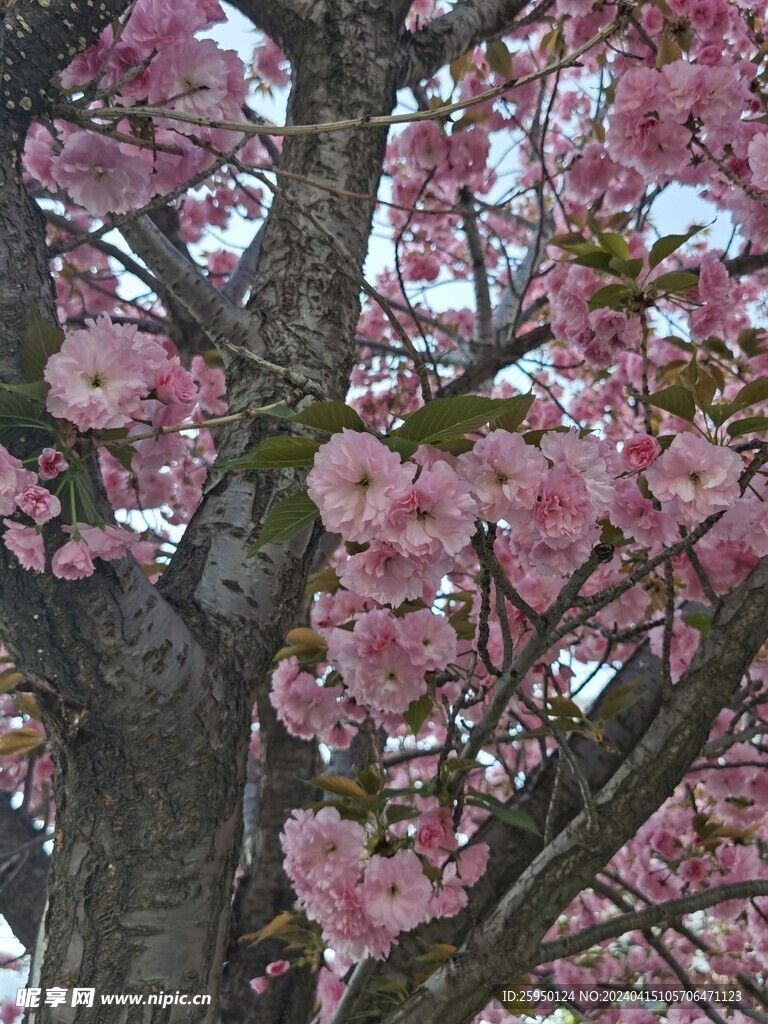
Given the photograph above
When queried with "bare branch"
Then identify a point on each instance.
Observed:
(217, 317)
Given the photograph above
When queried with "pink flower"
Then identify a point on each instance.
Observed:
(388, 682)
(503, 473)
(563, 512)
(268, 59)
(175, 385)
(330, 989)
(50, 463)
(396, 892)
(102, 175)
(306, 709)
(259, 985)
(639, 451)
(97, 378)
(72, 561)
(156, 24)
(696, 478)
(26, 543)
(196, 77)
(757, 154)
(351, 481)
(428, 639)
(388, 576)
(436, 513)
(435, 836)
(277, 967)
(13, 479)
(107, 542)
(38, 503)
(322, 851)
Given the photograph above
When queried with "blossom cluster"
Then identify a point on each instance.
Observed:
(105, 376)
(157, 59)
(364, 900)
(415, 516)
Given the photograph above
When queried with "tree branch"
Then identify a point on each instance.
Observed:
(647, 917)
(217, 317)
(23, 872)
(452, 34)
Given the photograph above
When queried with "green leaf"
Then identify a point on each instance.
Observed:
(18, 416)
(277, 453)
(405, 449)
(620, 699)
(447, 417)
(418, 712)
(123, 453)
(399, 812)
(79, 507)
(39, 342)
(675, 399)
(564, 707)
(340, 786)
(514, 416)
(626, 268)
(597, 260)
(700, 621)
(286, 520)
(614, 244)
(752, 393)
(749, 425)
(568, 240)
(611, 295)
(510, 816)
(330, 417)
(20, 741)
(674, 282)
(668, 244)
(499, 58)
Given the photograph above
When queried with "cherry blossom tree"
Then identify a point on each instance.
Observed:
(384, 558)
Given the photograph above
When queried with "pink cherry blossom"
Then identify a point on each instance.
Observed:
(352, 479)
(758, 160)
(72, 561)
(321, 850)
(50, 463)
(396, 892)
(427, 638)
(563, 512)
(96, 378)
(306, 709)
(196, 77)
(697, 478)
(38, 503)
(383, 573)
(13, 479)
(330, 989)
(503, 473)
(435, 513)
(435, 835)
(26, 543)
(154, 24)
(259, 985)
(277, 967)
(102, 175)
(639, 452)
(175, 385)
